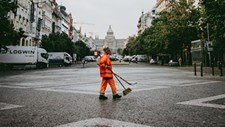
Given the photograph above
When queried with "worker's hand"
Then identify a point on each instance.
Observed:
(107, 66)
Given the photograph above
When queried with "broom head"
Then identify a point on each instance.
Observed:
(126, 91)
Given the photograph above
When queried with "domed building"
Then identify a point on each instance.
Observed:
(110, 41)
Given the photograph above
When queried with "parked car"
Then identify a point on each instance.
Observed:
(142, 58)
(173, 62)
(152, 61)
(134, 58)
(112, 57)
(127, 58)
(119, 57)
(90, 58)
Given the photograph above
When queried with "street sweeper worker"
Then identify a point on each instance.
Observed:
(107, 75)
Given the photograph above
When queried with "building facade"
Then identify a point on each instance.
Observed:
(164, 5)
(110, 41)
(145, 21)
(41, 17)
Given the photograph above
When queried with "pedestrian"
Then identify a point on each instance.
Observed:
(83, 62)
(180, 61)
(105, 67)
(136, 59)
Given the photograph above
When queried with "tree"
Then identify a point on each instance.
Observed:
(60, 42)
(182, 25)
(171, 32)
(128, 49)
(7, 33)
(120, 51)
(215, 17)
(81, 49)
(57, 42)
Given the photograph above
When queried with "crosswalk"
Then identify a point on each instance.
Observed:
(5, 106)
(101, 122)
(205, 102)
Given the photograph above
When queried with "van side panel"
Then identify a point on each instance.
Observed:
(19, 55)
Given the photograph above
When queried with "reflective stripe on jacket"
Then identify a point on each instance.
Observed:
(104, 61)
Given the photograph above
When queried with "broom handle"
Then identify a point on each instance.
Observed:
(119, 81)
(121, 78)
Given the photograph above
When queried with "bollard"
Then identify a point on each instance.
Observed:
(195, 69)
(221, 69)
(201, 69)
(212, 69)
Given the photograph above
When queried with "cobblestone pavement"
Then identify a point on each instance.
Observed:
(68, 97)
(207, 71)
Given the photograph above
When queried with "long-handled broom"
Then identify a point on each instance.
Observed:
(126, 90)
(124, 79)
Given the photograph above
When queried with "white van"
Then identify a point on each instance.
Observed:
(142, 58)
(59, 58)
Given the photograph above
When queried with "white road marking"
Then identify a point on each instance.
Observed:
(95, 91)
(101, 122)
(202, 102)
(149, 88)
(199, 83)
(16, 87)
(5, 106)
(92, 87)
(68, 91)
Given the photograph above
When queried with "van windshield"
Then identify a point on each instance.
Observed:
(44, 55)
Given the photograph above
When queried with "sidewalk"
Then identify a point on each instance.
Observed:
(206, 70)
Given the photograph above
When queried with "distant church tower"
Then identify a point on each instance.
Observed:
(110, 40)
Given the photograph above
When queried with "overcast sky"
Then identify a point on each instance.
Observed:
(95, 16)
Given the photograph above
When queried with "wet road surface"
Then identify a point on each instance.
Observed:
(68, 96)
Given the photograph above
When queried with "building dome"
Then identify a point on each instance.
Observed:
(110, 31)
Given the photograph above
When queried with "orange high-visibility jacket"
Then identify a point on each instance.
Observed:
(104, 61)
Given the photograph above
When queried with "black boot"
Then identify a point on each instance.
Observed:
(103, 97)
(116, 96)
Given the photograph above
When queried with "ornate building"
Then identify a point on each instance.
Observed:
(41, 17)
(110, 41)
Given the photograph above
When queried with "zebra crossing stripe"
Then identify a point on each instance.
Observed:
(102, 122)
(5, 106)
(203, 102)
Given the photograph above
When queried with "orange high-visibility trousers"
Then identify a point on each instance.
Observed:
(104, 83)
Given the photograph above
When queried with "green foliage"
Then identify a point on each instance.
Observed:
(60, 42)
(128, 49)
(120, 51)
(170, 33)
(81, 49)
(57, 42)
(7, 33)
(215, 17)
